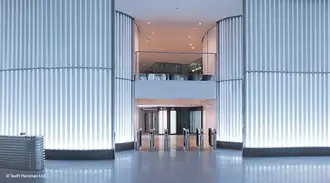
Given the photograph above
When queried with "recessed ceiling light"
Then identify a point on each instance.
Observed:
(152, 33)
(193, 48)
(189, 37)
(200, 23)
(194, 28)
(148, 23)
(149, 38)
(191, 44)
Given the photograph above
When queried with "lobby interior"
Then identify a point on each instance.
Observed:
(91, 76)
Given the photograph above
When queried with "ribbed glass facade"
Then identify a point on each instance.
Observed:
(287, 73)
(124, 67)
(229, 85)
(56, 64)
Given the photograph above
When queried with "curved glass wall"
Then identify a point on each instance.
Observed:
(124, 91)
(229, 87)
(56, 74)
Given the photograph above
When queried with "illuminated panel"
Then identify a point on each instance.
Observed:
(173, 122)
(229, 88)
(230, 126)
(56, 72)
(287, 110)
(287, 79)
(284, 35)
(124, 41)
(230, 48)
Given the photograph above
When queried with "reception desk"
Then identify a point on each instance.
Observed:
(22, 152)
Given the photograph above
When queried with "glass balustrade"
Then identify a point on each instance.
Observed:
(175, 66)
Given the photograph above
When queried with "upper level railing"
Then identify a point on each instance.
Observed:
(174, 66)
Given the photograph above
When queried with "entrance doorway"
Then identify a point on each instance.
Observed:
(172, 119)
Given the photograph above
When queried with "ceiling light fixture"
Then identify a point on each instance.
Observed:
(200, 23)
(153, 33)
(189, 37)
(191, 44)
(194, 28)
(148, 23)
(193, 48)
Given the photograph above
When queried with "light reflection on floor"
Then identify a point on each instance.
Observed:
(179, 166)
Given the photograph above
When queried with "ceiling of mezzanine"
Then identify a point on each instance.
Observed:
(175, 25)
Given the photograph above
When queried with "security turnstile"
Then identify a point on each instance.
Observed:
(186, 139)
(199, 139)
(212, 138)
(166, 140)
(152, 139)
(139, 139)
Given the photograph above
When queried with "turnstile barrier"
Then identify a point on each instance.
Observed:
(199, 139)
(166, 140)
(139, 139)
(212, 138)
(186, 139)
(152, 139)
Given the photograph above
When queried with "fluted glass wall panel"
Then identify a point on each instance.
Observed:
(287, 110)
(124, 41)
(230, 72)
(56, 71)
(55, 33)
(68, 106)
(287, 73)
(230, 126)
(230, 48)
(287, 35)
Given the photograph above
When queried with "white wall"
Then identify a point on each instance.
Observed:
(209, 46)
(164, 89)
(56, 72)
(287, 94)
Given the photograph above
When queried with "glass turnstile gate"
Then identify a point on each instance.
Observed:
(163, 142)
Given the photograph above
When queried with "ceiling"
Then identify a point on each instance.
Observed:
(175, 25)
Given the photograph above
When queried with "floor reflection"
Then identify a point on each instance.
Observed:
(180, 166)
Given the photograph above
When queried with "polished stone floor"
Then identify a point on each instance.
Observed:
(222, 166)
